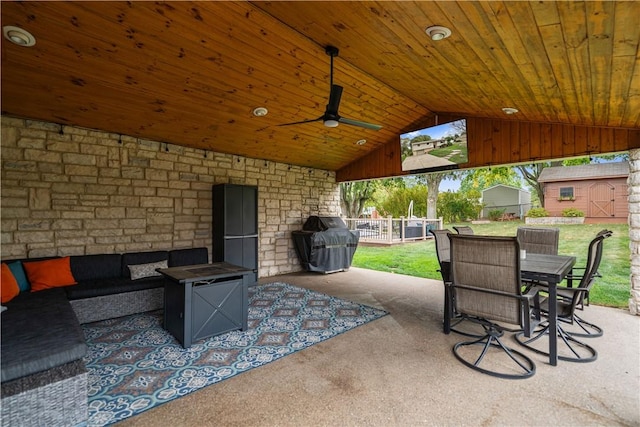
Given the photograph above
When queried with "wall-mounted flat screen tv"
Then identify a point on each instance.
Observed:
(435, 148)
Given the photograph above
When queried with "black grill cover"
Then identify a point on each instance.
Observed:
(323, 223)
(325, 244)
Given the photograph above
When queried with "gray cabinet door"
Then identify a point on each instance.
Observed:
(235, 225)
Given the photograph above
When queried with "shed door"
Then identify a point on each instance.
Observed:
(601, 200)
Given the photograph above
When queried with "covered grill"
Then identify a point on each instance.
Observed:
(325, 244)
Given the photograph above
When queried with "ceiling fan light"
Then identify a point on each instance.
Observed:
(331, 123)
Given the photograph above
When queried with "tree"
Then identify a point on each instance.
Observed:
(420, 138)
(458, 207)
(532, 172)
(460, 126)
(433, 186)
(354, 195)
(396, 203)
(483, 178)
(432, 181)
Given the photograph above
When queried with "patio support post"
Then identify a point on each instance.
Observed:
(390, 229)
(402, 229)
(633, 183)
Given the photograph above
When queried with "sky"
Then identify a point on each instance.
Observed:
(449, 185)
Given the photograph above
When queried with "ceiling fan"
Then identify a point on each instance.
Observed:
(331, 118)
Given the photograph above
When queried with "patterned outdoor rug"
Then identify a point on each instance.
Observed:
(135, 365)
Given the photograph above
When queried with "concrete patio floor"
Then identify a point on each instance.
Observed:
(399, 371)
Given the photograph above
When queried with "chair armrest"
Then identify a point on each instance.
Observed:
(572, 290)
(487, 291)
(572, 276)
(525, 301)
(533, 298)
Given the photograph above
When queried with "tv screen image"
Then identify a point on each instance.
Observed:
(434, 148)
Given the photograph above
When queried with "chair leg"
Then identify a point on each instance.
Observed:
(579, 351)
(492, 339)
(586, 329)
(458, 320)
(453, 319)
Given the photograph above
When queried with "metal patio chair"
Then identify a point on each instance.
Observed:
(443, 253)
(538, 240)
(583, 328)
(463, 229)
(486, 289)
(569, 298)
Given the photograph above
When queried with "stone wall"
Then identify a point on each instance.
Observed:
(75, 191)
(634, 229)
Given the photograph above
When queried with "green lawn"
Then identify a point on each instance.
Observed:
(419, 258)
(457, 152)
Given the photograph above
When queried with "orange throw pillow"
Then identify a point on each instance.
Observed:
(51, 273)
(9, 285)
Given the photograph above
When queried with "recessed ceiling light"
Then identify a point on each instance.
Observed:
(438, 32)
(260, 111)
(509, 110)
(18, 36)
(361, 141)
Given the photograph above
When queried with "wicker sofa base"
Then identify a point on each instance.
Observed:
(117, 305)
(62, 403)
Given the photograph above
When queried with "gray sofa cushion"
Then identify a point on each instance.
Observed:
(114, 285)
(136, 258)
(39, 331)
(191, 256)
(90, 267)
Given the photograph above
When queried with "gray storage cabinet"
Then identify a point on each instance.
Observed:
(235, 225)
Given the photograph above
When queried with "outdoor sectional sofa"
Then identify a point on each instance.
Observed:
(44, 380)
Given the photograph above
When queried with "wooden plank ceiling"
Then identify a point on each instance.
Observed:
(191, 73)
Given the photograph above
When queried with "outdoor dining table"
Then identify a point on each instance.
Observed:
(551, 269)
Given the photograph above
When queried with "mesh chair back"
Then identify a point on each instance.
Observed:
(442, 244)
(464, 229)
(539, 240)
(605, 234)
(443, 251)
(594, 256)
(487, 263)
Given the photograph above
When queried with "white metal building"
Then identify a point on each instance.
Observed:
(512, 200)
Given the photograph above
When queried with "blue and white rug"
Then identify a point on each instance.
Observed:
(134, 364)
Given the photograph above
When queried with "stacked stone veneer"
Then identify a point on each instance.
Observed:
(634, 229)
(74, 191)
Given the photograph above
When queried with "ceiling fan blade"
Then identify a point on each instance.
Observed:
(334, 100)
(303, 121)
(359, 123)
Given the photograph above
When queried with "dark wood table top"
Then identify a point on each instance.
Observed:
(547, 268)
